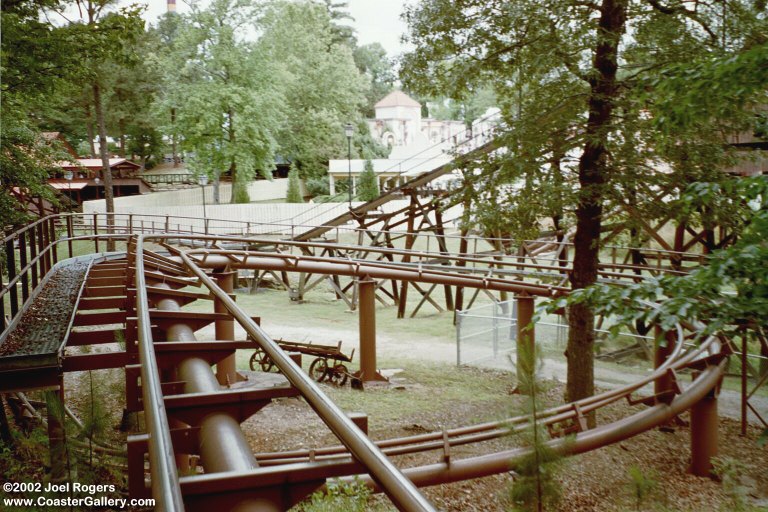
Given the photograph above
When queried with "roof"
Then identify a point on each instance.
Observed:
(397, 99)
(68, 185)
(95, 163)
(50, 135)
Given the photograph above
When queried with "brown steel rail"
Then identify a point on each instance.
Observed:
(586, 440)
(400, 490)
(162, 465)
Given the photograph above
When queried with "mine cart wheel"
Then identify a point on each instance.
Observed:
(262, 359)
(255, 359)
(339, 375)
(318, 370)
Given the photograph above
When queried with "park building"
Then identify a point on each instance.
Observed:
(417, 144)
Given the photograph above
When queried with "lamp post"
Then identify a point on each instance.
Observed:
(203, 181)
(68, 175)
(96, 181)
(348, 131)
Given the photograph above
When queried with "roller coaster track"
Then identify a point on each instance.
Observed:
(193, 413)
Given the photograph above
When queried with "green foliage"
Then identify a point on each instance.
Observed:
(340, 497)
(26, 457)
(144, 141)
(641, 485)
(319, 82)
(372, 61)
(730, 290)
(240, 193)
(224, 93)
(318, 186)
(368, 186)
(712, 88)
(762, 441)
(294, 186)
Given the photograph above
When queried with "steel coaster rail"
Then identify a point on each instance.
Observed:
(164, 226)
(165, 476)
(504, 461)
(586, 440)
(551, 416)
(400, 490)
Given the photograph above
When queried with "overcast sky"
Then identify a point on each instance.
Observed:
(379, 21)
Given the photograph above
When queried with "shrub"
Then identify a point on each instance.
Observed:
(293, 194)
(368, 188)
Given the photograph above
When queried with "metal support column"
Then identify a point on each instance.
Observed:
(662, 349)
(226, 369)
(56, 443)
(367, 306)
(704, 436)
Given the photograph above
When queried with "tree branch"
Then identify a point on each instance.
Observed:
(692, 15)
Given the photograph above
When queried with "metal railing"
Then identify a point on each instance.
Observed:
(35, 248)
(170, 179)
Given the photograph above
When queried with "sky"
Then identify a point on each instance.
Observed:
(375, 20)
(379, 21)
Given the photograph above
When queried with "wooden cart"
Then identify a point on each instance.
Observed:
(327, 365)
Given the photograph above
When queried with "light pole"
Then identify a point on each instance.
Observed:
(68, 175)
(203, 181)
(348, 131)
(96, 181)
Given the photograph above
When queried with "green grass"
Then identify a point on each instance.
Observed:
(423, 380)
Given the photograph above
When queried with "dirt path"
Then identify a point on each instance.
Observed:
(439, 350)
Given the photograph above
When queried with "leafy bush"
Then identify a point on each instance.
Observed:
(340, 497)
(368, 188)
(318, 186)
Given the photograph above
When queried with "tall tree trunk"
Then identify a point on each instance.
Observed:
(108, 192)
(90, 131)
(592, 178)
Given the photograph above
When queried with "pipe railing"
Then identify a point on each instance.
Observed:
(131, 220)
(43, 248)
(400, 490)
(162, 464)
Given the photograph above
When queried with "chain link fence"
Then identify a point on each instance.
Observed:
(487, 336)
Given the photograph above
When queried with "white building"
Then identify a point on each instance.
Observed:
(418, 145)
(398, 122)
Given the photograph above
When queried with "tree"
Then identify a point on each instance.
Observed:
(226, 96)
(372, 61)
(293, 194)
(590, 127)
(105, 37)
(36, 62)
(368, 188)
(144, 141)
(341, 33)
(322, 87)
